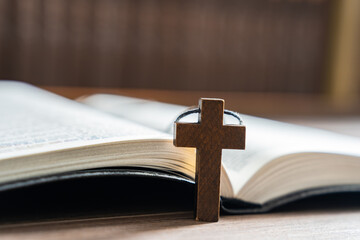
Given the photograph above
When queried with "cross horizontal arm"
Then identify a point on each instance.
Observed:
(233, 137)
(187, 135)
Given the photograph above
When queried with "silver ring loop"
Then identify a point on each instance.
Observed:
(197, 110)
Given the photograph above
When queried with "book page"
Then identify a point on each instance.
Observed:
(152, 114)
(34, 121)
(265, 139)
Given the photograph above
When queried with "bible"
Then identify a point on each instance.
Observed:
(45, 138)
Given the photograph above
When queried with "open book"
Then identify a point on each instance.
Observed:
(45, 138)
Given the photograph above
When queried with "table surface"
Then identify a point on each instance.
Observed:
(330, 222)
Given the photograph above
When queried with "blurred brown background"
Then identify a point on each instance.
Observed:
(243, 45)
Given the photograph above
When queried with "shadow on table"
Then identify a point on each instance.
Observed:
(329, 203)
(94, 197)
(114, 200)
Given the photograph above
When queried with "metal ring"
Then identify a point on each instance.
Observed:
(197, 110)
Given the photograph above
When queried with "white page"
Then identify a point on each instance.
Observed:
(153, 114)
(265, 139)
(34, 121)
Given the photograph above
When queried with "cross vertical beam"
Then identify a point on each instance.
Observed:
(209, 136)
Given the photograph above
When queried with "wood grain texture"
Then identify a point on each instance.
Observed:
(209, 136)
(308, 224)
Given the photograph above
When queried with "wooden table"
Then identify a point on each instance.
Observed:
(333, 220)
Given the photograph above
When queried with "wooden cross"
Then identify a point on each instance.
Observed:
(209, 136)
